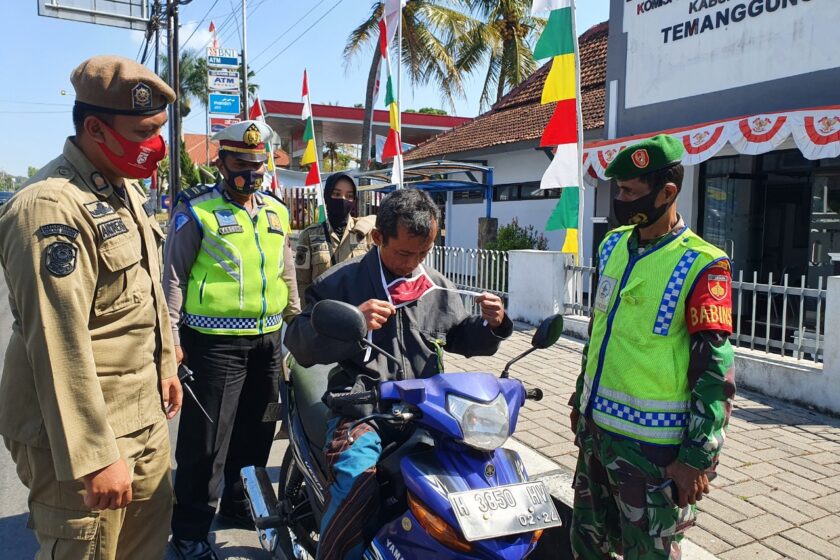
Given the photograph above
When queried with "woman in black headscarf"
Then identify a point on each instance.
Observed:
(339, 238)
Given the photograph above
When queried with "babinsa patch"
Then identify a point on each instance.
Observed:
(55, 230)
(227, 221)
(98, 209)
(112, 228)
(60, 258)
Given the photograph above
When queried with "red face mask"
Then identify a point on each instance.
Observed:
(139, 159)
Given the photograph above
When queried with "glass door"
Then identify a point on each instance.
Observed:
(825, 227)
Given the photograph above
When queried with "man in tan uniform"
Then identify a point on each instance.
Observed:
(90, 372)
(341, 237)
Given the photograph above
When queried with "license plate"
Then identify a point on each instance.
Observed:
(504, 510)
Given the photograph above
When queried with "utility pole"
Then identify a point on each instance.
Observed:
(175, 108)
(244, 62)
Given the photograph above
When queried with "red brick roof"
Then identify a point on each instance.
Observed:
(519, 116)
(196, 146)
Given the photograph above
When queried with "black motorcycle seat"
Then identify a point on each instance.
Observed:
(309, 385)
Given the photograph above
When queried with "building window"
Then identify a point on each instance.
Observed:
(529, 190)
(468, 197)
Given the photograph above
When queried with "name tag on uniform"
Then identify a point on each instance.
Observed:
(606, 287)
(227, 221)
(274, 224)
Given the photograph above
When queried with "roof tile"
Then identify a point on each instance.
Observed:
(519, 116)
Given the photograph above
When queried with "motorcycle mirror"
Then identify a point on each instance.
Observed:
(548, 332)
(339, 321)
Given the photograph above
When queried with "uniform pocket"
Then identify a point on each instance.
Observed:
(63, 523)
(116, 286)
(665, 517)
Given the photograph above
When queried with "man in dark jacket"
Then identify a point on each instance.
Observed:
(412, 312)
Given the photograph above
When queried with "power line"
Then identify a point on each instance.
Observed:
(237, 24)
(316, 22)
(287, 30)
(34, 112)
(35, 103)
(207, 13)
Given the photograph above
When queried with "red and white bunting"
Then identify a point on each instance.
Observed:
(815, 131)
(817, 134)
(704, 143)
(760, 134)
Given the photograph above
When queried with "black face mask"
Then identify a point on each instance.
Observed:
(641, 212)
(244, 182)
(338, 210)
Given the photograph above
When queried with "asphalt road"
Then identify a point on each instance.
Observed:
(17, 542)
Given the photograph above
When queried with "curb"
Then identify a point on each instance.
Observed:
(559, 483)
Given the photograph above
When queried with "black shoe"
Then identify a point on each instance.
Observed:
(237, 514)
(193, 550)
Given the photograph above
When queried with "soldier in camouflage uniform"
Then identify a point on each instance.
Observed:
(653, 399)
(341, 237)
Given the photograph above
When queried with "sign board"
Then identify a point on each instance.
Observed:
(224, 104)
(128, 14)
(682, 48)
(222, 80)
(220, 123)
(223, 61)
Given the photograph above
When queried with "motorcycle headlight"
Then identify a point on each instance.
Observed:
(485, 425)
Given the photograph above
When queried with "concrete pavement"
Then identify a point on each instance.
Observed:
(777, 496)
(778, 490)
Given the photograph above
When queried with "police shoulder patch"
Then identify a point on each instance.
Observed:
(302, 256)
(55, 230)
(112, 228)
(180, 221)
(60, 258)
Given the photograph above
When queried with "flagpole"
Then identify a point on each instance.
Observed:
(399, 90)
(581, 187)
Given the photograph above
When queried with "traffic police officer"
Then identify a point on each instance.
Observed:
(653, 399)
(90, 368)
(230, 281)
(341, 237)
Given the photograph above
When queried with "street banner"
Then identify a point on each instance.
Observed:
(219, 123)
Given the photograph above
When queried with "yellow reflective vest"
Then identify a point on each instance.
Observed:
(235, 285)
(636, 374)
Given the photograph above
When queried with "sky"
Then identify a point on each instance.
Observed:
(284, 37)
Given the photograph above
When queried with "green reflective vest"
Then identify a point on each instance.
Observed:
(636, 374)
(236, 285)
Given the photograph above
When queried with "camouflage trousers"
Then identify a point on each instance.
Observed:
(623, 504)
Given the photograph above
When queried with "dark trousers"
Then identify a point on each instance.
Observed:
(235, 378)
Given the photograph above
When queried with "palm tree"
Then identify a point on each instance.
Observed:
(502, 39)
(429, 33)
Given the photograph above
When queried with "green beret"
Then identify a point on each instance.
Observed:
(120, 86)
(646, 157)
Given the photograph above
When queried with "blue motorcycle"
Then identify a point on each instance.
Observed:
(449, 490)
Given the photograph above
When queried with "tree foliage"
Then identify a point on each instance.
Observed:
(513, 237)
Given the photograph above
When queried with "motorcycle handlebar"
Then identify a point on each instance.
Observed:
(350, 399)
(534, 394)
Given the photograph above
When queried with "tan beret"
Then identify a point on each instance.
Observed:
(120, 86)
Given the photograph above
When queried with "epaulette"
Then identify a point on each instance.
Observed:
(194, 192)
